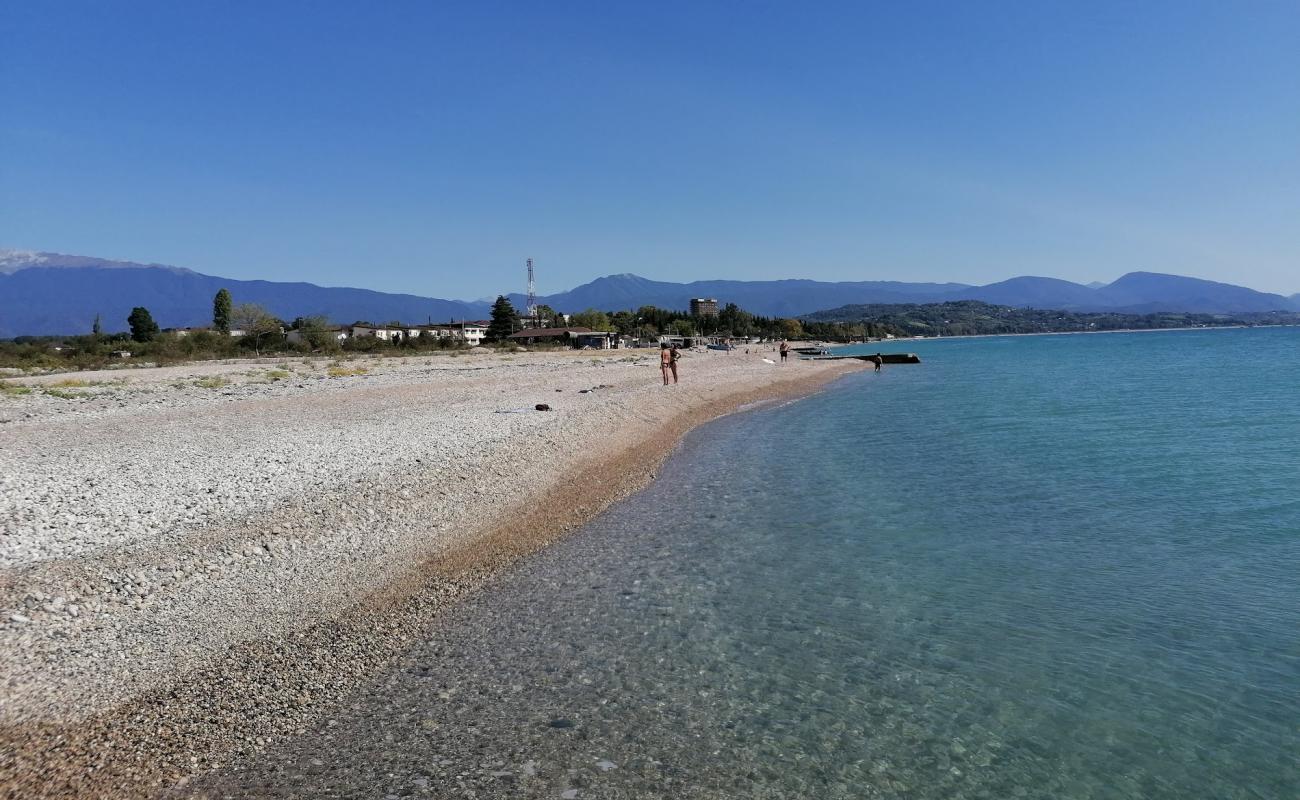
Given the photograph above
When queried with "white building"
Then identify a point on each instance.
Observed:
(471, 333)
(377, 331)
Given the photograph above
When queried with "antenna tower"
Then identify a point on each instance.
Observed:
(532, 293)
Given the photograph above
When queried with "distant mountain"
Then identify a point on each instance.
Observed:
(1029, 292)
(1141, 292)
(1138, 292)
(51, 294)
(782, 298)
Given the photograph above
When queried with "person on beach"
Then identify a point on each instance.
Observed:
(666, 365)
(675, 356)
(878, 361)
(785, 350)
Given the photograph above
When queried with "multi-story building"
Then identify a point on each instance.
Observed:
(704, 307)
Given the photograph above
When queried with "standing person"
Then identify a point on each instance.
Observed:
(878, 361)
(665, 362)
(785, 350)
(674, 356)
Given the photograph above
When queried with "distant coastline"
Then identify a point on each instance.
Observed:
(1083, 333)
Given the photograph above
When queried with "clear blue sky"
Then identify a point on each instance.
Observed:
(430, 147)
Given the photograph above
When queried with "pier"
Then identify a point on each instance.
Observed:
(887, 358)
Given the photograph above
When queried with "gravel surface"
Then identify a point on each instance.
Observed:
(195, 559)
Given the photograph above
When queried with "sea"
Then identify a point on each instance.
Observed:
(1027, 567)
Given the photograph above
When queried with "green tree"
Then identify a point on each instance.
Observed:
(256, 322)
(591, 318)
(143, 328)
(624, 322)
(548, 317)
(735, 320)
(681, 327)
(505, 320)
(317, 333)
(791, 328)
(221, 310)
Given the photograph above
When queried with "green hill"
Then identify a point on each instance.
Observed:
(972, 318)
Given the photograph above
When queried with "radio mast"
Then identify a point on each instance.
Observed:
(532, 293)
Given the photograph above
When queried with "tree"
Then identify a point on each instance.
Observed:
(505, 320)
(591, 318)
(736, 320)
(548, 317)
(96, 329)
(681, 327)
(791, 328)
(256, 322)
(624, 322)
(221, 311)
(143, 328)
(316, 332)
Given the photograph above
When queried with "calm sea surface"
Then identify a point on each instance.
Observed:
(1040, 567)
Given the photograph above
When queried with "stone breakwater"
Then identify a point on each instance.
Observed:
(197, 560)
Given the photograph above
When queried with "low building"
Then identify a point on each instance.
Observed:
(182, 332)
(704, 307)
(540, 322)
(384, 332)
(472, 333)
(340, 334)
(577, 338)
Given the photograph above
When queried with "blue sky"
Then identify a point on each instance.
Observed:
(430, 147)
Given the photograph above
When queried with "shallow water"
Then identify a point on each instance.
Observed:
(1041, 567)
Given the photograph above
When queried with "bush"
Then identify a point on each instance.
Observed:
(346, 372)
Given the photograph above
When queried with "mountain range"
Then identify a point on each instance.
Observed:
(53, 294)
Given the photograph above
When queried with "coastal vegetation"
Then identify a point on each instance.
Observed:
(975, 318)
(143, 328)
(505, 320)
(250, 330)
(221, 311)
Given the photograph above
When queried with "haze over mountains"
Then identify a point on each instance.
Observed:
(53, 294)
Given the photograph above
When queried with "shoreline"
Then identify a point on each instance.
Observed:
(88, 729)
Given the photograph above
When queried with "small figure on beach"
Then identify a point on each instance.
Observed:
(785, 350)
(672, 362)
(665, 361)
(878, 360)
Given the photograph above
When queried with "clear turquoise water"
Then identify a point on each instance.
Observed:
(1046, 567)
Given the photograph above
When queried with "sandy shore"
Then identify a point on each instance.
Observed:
(197, 560)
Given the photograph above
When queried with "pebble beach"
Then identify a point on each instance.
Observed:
(196, 561)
